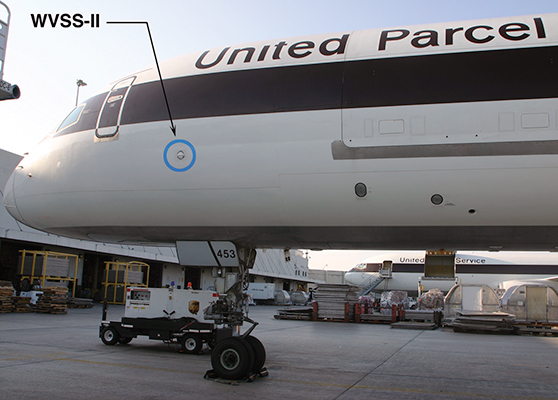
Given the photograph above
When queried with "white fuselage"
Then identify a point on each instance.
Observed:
(325, 141)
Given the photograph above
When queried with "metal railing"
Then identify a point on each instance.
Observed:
(371, 284)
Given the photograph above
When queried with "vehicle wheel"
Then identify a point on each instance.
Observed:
(125, 340)
(232, 358)
(191, 344)
(259, 353)
(110, 336)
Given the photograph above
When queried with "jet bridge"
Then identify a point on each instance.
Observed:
(7, 90)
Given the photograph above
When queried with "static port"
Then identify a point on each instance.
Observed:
(472, 211)
(360, 189)
(437, 199)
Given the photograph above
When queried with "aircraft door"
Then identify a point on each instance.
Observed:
(386, 268)
(109, 117)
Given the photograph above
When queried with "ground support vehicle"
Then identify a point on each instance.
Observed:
(190, 333)
(262, 293)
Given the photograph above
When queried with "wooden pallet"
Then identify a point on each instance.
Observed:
(419, 315)
(424, 326)
(534, 329)
(469, 321)
(79, 303)
(6, 304)
(303, 314)
(21, 304)
(377, 318)
(53, 301)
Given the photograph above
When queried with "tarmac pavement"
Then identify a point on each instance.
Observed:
(44, 356)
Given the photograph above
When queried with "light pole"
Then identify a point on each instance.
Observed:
(79, 83)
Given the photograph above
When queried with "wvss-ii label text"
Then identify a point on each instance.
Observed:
(65, 20)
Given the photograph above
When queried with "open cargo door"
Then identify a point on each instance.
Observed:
(439, 264)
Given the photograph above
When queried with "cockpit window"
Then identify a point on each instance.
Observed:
(72, 118)
(83, 117)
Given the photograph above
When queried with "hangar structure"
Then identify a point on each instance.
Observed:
(271, 265)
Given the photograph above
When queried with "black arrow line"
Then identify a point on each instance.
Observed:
(172, 127)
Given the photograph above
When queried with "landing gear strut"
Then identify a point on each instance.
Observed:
(238, 356)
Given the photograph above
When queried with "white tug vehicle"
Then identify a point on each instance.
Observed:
(192, 318)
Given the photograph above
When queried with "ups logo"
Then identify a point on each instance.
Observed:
(194, 307)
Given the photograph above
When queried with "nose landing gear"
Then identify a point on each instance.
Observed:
(239, 356)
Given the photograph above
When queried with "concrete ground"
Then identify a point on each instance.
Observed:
(45, 356)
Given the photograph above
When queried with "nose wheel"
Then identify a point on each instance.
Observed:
(259, 353)
(238, 358)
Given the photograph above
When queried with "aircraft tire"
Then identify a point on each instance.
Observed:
(110, 336)
(191, 343)
(232, 358)
(259, 353)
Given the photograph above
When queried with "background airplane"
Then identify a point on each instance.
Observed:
(497, 270)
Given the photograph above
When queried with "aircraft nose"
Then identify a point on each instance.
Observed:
(10, 198)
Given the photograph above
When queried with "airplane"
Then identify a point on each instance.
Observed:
(425, 137)
(497, 270)
(419, 137)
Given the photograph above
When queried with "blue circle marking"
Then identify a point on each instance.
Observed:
(186, 168)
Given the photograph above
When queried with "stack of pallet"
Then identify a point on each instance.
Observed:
(302, 313)
(53, 301)
(79, 303)
(331, 299)
(21, 304)
(6, 304)
(478, 321)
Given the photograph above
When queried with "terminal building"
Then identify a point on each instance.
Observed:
(159, 265)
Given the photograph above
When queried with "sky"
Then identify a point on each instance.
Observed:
(46, 62)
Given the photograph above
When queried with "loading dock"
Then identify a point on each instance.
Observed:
(47, 268)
